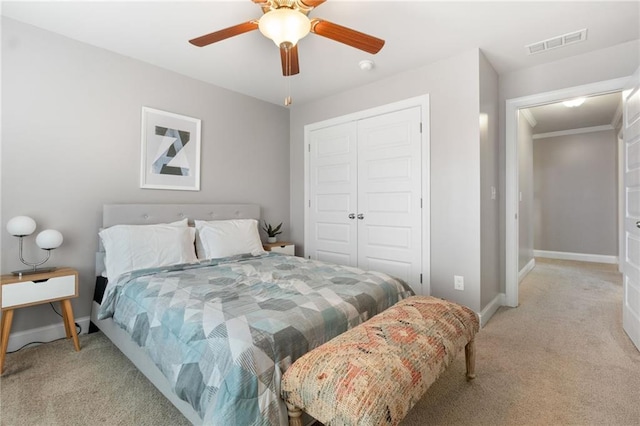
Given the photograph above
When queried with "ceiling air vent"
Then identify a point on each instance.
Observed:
(555, 42)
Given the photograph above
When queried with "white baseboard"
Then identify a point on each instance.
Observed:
(527, 268)
(582, 257)
(491, 309)
(43, 334)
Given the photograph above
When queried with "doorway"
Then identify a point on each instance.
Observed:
(513, 106)
(568, 180)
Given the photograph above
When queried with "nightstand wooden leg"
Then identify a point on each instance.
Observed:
(7, 318)
(70, 322)
(65, 321)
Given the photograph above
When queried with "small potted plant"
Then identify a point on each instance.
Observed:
(272, 232)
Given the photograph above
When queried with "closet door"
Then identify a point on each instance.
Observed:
(333, 192)
(389, 194)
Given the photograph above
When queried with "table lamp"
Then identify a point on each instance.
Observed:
(49, 239)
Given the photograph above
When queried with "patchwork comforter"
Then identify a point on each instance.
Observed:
(224, 331)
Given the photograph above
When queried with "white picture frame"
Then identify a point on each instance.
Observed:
(170, 156)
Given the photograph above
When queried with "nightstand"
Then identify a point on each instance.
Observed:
(281, 247)
(35, 289)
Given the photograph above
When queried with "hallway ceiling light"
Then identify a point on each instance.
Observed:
(574, 102)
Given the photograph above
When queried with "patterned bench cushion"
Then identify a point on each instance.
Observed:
(375, 373)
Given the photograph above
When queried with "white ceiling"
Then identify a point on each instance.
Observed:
(416, 33)
(599, 110)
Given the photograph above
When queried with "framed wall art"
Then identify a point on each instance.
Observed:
(170, 151)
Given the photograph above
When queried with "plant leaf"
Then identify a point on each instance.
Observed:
(270, 230)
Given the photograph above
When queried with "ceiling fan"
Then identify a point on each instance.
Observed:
(285, 22)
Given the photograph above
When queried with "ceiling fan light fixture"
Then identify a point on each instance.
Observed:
(284, 25)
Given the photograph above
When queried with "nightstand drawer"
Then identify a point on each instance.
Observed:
(288, 249)
(30, 292)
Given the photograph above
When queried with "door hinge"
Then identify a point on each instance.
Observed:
(309, 146)
(420, 202)
(421, 127)
(309, 203)
(420, 278)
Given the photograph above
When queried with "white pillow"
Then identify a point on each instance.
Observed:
(132, 247)
(222, 238)
(182, 222)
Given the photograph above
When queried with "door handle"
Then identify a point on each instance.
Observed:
(352, 216)
(638, 224)
(360, 216)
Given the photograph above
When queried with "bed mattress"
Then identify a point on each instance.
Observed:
(224, 331)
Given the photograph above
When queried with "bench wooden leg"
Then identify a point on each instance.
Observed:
(295, 415)
(470, 358)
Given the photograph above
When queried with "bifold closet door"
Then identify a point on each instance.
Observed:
(389, 194)
(365, 186)
(333, 194)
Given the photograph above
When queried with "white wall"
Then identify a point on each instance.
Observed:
(575, 182)
(71, 143)
(525, 185)
(453, 87)
(490, 207)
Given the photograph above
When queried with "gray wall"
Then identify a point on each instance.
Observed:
(575, 184)
(453, 87)
(71, 143)
(604, 64)
(490, 208)
(525, 185)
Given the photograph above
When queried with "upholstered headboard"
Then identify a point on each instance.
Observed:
(145, 214)
(141, 214)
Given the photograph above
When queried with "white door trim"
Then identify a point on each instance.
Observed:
(511, 158)
(621, 198)
(423, 102)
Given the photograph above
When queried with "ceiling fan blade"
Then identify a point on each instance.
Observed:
(312, 3)
(347, 36)
(289, 59)
(224, 34)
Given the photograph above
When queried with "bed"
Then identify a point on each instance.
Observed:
(216, 335)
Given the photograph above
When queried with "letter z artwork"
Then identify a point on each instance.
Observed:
(171, 158)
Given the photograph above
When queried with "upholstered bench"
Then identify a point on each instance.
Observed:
(375, 373)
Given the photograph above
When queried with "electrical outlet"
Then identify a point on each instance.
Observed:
(458, 282)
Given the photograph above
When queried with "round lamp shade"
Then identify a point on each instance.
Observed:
(49, 239)
(284, 25)
(20, 226)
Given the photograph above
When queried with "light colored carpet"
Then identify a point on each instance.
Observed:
(560, 358)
